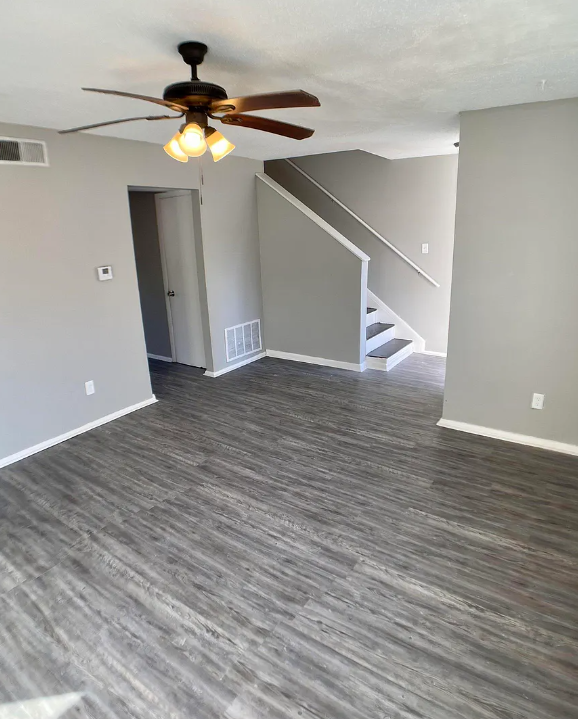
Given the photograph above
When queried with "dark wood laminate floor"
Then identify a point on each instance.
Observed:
(290, 541)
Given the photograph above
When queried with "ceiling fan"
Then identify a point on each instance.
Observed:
(197, 101)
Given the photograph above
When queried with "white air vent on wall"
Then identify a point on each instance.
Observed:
(14, 151)
(243, 339)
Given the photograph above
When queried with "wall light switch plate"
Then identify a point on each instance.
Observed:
(104, 273)
(425, 248)
(89, 387)
(537, 401)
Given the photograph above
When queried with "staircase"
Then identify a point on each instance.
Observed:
(384, 351)
(295, 279)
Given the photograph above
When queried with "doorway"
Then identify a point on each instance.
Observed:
(166, 250)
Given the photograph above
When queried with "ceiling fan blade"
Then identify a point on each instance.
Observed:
(167, 103)
(116, 122)
(268, 101)
(266, 125)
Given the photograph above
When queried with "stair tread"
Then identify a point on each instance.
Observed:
(375, 329)
(389, 348)
(371, 309)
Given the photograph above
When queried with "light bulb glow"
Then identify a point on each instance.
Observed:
(173, 149)
(218, 145)
(192, 140)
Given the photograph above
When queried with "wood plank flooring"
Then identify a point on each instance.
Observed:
(289, 542)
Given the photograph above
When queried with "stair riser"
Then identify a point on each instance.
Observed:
(399, 356)
(386, 364)
(379, 339)
(371, 318)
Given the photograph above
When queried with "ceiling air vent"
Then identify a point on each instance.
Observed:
(243, 339)
(14, 151)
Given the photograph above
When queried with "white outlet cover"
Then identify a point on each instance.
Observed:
(104, 273)
(425, 248)
(89, 387)
(537, 401)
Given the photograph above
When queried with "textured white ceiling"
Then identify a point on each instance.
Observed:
(391, 76)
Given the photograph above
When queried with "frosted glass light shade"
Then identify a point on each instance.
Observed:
(192, 140)
(173, 149)
(218, 145)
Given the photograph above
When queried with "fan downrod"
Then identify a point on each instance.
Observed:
(193, 53)
(194, 94)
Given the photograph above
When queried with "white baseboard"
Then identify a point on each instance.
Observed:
(4, 461)
(431, 352)
(218, 373)
(525, 439)
(316, 360)
(159, 357)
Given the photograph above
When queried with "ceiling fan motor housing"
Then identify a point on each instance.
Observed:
(194, 93)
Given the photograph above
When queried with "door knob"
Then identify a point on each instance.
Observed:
(171, 293)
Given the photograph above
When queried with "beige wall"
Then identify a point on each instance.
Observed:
(409, 202)
(513, 328)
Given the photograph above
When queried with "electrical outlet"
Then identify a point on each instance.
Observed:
(537, 401)
(425, 248)
(89, 387)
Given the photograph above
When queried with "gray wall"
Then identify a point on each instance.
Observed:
(230, 249)
(513, 327)
(59, 326)
(203, 298)
(408, 202)
(312, 285)
(151, 287)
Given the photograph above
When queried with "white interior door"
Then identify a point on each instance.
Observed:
(177, 239)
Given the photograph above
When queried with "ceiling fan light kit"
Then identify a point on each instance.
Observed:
(218, 145)
(173, 149)
(197, 101)
(192, 140)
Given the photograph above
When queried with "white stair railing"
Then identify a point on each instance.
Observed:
(392, 247)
